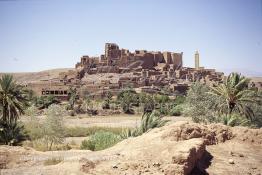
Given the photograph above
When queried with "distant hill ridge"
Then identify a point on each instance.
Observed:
(23, 77)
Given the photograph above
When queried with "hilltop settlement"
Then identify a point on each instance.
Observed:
(116, 69)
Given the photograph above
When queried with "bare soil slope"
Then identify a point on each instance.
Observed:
(178, 148)
(25, 77)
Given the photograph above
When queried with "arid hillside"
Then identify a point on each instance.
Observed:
(53, 73)
(256, 79)
(178, 148)
(25, 77)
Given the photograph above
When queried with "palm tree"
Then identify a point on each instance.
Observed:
(13, 99)
(108, 98)
(151, 120)
(234, 95)
(128, 98)
(72, 97)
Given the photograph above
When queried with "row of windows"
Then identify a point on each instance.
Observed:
(54, 92)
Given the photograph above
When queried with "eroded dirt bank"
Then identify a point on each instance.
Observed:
(178, 148)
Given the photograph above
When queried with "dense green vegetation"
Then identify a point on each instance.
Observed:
(232, 102)
(13, 102)
(128, 99)
(145, 102)
(234, 96)
(101, 140)
(12, 133)
(43, 102)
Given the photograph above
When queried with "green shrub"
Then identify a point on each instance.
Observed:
(101, 140)
(34, 128)
(234, 120)
(162, 104)
(179, 99)
(256, 121)
(51, 130)
(88, 144)
(151, 120)
(128, 99)
(53, 127)
(163, 108)
(160, 99)
(43, 102)
(12, 133)
(176, 111)
(147, 103)
(200, 105)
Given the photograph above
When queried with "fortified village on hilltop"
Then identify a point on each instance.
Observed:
(144, 71)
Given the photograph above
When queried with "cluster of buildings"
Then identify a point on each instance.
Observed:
(145, 71)
(116, 60)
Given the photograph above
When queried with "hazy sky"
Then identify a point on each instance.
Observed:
(44, 34)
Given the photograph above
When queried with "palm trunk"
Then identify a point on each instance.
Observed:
(231, 106)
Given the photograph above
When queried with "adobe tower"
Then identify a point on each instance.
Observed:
(197, 60)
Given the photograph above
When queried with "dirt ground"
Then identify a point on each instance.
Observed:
(178, 148)
(247, 158)
(122, 120)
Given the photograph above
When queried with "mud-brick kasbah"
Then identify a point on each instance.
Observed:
(117, 69)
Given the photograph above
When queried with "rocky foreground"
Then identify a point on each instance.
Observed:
(178, 148)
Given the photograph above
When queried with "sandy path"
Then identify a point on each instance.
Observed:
(124, 121)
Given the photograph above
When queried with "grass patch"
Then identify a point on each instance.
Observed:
(40, 145)
(88, 131)
(53, 161)
(101, 140)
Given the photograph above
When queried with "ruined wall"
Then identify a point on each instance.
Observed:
(123, 58)
(167, 57)
(177, 59)
(112, 50)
